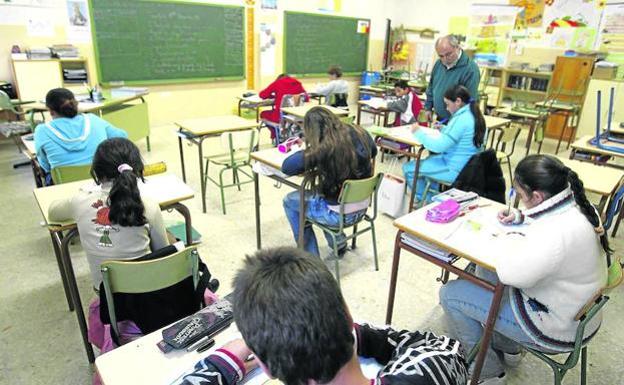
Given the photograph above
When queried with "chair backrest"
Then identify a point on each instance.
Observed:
(154, 168)
(507, 137)
(5, 102)
(338, 100)
(615, 276)
(614, 207)
(241, 141)
(66, 174)
(356, 190)
(134, 277)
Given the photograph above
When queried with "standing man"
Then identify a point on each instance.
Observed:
(453, 67)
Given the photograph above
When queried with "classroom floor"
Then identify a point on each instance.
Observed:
(39, 338)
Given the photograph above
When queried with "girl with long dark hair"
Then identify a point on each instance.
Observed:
(335, 151)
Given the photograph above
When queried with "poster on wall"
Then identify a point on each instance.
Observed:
(572, 14)
(531, 15)
(78, 23)
(489, 32)
(267, 49)
(612, 35)
(268, 4)
(38, 26)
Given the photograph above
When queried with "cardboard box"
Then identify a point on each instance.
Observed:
(604, 73)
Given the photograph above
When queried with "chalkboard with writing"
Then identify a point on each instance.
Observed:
(313, 42)
(159, 42)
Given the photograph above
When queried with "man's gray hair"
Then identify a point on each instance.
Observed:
(452, 40)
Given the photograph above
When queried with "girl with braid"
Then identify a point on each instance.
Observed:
(559, 262)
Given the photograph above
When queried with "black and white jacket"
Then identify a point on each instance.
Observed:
(407, 358)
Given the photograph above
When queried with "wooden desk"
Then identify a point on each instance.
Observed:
(27, 147)
(585, 151)
(300, 111)
(616, 128)
(166, 189)
(374, 109)
(253, 102)
(378, 91)
(600, 180)
(401, 134)
(197, 130)
(569, 111)
(273, 158)
(495, 122)
(128, 112)
(533, 119)
(458, 238)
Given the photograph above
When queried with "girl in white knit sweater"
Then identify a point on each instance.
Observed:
(557, 265)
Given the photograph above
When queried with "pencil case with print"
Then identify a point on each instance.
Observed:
(444, 212)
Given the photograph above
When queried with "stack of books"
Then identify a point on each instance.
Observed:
(427, 248)
(464, 198)
(39, 53)
(78, 75)
(64, 51)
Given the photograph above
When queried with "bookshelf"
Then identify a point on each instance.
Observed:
(34, 78)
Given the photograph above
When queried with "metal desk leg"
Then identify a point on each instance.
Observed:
(487, 332)
(202, 182)
(359, 113)
(394, 271)
(415, 181)
(302, 221)
(239, 107)
(529, 141)
(182, 209)
(180, 147)
(73, 287)
(257, 204)
(56, 243)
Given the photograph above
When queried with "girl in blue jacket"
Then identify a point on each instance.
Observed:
(454, 145)
(70, 138)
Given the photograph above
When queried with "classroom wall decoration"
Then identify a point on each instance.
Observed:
(612, 35)
(163, 42)
(531, 15)
(490, 32)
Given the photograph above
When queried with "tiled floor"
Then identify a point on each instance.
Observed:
(39, 338)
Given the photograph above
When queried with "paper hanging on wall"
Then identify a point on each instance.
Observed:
(78, 23)
(268, 41)
(40, 27)
(532, 14)
(363, 26)
(571, 13)
(268, 4)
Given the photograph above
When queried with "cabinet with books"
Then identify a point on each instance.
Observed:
(35, 77)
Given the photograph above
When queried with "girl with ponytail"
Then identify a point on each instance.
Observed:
(558, 263)
(455, 143)
(71, 137)
(114, 221)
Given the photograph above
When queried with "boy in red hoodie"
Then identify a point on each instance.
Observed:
(407, 106)
(283, 85)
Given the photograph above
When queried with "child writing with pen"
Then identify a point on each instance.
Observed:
(453, 145)
(557, 264)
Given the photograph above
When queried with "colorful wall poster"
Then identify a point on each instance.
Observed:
(531, 15)
(489, 32)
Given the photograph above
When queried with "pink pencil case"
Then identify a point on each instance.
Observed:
(289, 144)
(444, 212)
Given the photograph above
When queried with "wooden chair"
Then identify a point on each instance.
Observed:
(587, 312)
(134, 277)
(506, 144)
(354, 191)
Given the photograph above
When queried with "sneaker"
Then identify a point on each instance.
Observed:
(513, 359)
(341, 253)
(501, 379)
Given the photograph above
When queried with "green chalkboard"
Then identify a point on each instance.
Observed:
(162, 42)
(313, 42)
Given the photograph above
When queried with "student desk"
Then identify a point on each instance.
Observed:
(166, 189)
(197, 130)
(253, 102)
(27, 147)
(127, 111)
(300, 111)
(531, 117)
(273, 158)
(378, 111)
(379, 90)
(616, 128)
(600, 180)
(458, 238)
(585, 151)
(569, 111)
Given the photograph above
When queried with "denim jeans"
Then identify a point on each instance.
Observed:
(467, 305)
(317, 210)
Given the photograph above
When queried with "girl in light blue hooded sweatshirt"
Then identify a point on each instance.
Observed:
(70, 138)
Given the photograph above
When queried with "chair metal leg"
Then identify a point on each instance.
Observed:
(374, 236)
(149, 147)
(221, 189)
(584, 365)
(353, 241)
(509, 167)
(423, 198)
(336, 259)
(236, 178)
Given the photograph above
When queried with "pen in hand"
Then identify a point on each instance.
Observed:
(509, 200)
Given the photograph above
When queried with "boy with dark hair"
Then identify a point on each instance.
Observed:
(292, 315)
(407, 106)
